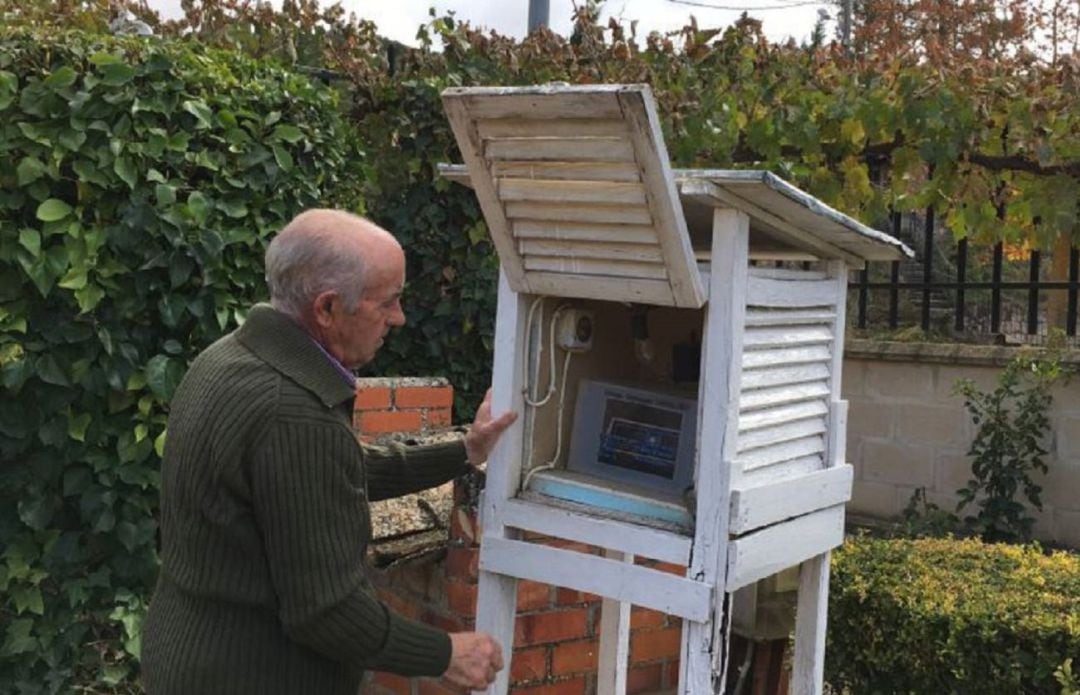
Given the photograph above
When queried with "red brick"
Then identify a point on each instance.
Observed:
(462, 562)
(383, 421)
(678, 570)
(650, 645)
(643, 617)
(400, 605)
(567, 597)
(439, 417)
(424, 397)
(448, 623)
(574, 657)
(428, 686)
(571, 545)
(644, 679)
(571, 686)
(463, 525)
(556, 626)
(399, 685)
(528, 664)
(532, 596)
(377, 398)
(461, 597)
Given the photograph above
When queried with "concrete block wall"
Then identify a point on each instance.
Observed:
(907, 430)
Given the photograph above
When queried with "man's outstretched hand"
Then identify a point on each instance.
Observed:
(485, 431)
(475, 658)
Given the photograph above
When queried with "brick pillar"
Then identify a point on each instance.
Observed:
(402, 406)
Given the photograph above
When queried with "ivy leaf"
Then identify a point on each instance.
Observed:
(49, 371)
(116, 74)
(125, 169)
(53, 210)
(162, 376)
(283, 158)
(201, 112)
(77, 426)
(30, 169)
(28, 598)
(165, 194)
(75, 279)
(64, 77)
(289, 133)
(159, 444)
(30, 239)
(199, 206)
(18, 639)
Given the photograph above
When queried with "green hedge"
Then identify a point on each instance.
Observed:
(142, 180)
(950, 616)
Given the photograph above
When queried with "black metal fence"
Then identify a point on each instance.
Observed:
(988, 292)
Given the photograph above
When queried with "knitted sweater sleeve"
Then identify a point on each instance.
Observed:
(309, 500)
(395, 469)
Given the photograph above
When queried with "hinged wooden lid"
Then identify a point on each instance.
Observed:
(577, 191)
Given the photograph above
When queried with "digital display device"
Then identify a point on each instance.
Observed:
(634, 435)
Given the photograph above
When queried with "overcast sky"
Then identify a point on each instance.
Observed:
(399, 19)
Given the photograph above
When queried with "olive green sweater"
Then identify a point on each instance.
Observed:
(265, 523)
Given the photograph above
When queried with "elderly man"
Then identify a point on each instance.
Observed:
(265, 490)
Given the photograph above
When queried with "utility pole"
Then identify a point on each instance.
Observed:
(538, 14)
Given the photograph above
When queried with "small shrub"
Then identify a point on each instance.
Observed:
(949, 616)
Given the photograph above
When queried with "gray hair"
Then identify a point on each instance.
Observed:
(306, 259)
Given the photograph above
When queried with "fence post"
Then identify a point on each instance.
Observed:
(928, 262)
(1033, 293)
(995, 290)
(1074, 272)
(961, 278)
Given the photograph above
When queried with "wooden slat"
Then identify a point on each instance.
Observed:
(778, 376)
(584, 231)
(789, 293)
(550, 128)
(579, 212)
(755, 507)
(573, 171)
(614, 657)
(801, 355)
(786, 470)
(457, 111)
(774, 548)
(572, 249)
(639, 111)
(767, 417)
(786, 336)
(538, 105)
(603, 192)
(785, 451)
(811, 614)
(763, 271)
(560, 285)
(777, 434)
(756, 316)
(769, 397)
(640, 586)
(560, 149)
(604, 533)
(594, 266)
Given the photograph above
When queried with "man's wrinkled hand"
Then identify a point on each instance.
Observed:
(475, 658)
(485, 431)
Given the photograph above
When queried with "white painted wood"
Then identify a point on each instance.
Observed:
(614, 654)
(774, 317)
(777, 434)
(574, 171)
(587, 105)
(786, 470)
(762, 291)
(560, 149)
(811, 617)
(627, 270)
(604, 192)
(579, 212)
(838, 426)
(708, 193)
(767, 358)
(497, 594)
(604, 533)
(768, 417)
(769, 550)
(758, 338)
(763, 271)
(755, 507)
(561, 285)
(578, 249)
(704, 648)
(640, 586)
(837, 433)
(639, 112)
(784, 451)
(769, 397)
(554, 230)
(550, 128)
(777, 376)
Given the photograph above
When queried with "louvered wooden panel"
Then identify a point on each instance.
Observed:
(546, 168)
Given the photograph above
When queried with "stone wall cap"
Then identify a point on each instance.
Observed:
(944, 353)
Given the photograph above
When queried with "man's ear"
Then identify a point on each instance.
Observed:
(322, 308)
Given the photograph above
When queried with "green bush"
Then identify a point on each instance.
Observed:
(951, 616)
(142, 181)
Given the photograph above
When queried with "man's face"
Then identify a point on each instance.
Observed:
(355, 337)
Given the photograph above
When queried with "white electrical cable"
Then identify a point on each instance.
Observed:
(548, 465)
(530, 384)
(539, 358)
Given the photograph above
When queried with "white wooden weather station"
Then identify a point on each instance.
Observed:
(673, 340)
